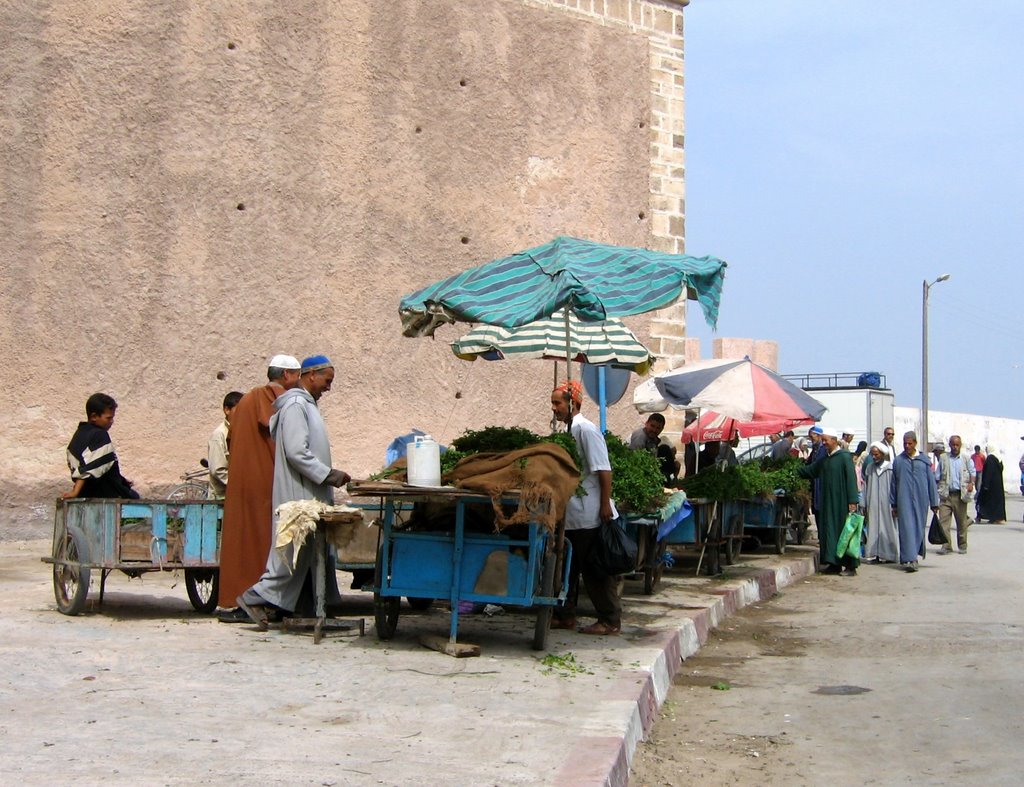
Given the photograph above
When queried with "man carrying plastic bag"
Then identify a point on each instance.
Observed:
(839, 497)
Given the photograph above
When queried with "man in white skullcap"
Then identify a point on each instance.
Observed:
(246, 530)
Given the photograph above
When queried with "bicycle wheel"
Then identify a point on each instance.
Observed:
(190, 490)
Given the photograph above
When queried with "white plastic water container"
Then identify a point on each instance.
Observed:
(423, 462)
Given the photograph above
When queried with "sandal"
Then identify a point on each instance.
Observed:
(257, 613)
(600, 629)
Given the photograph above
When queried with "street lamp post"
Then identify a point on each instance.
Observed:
(924, 359)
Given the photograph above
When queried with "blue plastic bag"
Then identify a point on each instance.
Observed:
(399, 446)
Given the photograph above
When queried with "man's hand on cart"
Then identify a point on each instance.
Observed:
(337, 478)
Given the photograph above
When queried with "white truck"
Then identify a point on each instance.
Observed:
(856, 401)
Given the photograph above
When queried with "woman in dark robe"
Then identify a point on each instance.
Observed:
(991, 497)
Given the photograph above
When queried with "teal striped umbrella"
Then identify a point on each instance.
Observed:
(606, 342)
(595, 280)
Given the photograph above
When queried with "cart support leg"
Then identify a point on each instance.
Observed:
(319, 570)
(460, 522)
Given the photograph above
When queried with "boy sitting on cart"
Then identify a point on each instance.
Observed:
(95, 471)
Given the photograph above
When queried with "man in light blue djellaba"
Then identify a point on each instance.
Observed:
(912, 493)
(302, 471)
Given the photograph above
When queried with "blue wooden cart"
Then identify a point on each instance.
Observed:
(448, 563)
(778, 519)
(135, 537)
(705, 524)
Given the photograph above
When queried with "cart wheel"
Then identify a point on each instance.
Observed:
(385, 608)
(652, 576)
(542, 624)
(783, 523)
(419, 604)
(731, 542)
(779, 539)
(188, 491)
(71, 582)
(653, 565)
(800, 531)
(202, 585)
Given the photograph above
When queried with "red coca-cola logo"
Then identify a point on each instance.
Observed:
(718, 434)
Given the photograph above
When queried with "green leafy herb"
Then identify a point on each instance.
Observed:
(747, 481)
(637, 482)
(495, 438)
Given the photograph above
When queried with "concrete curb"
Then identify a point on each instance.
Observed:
(635, 700)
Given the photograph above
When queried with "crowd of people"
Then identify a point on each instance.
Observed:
(898, 492)
(901, 495)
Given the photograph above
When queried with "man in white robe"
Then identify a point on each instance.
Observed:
(882, 541)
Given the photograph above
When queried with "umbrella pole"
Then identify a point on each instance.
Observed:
(568, 347)
(696, 459)
(554, 385)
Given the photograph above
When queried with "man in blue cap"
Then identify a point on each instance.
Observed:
(302, 471)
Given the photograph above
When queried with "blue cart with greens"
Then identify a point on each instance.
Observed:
(704, 524)
(451, 563)
(776, 520)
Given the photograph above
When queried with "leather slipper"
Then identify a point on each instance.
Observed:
(256, 612)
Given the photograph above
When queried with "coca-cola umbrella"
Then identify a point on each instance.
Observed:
(741, 389)
(713, 426)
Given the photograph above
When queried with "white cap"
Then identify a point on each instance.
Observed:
(829, 431)
(849, 431)
(284, 362)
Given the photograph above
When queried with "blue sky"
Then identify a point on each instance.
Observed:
(839, 154)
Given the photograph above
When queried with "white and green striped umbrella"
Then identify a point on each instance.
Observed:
(605, 342)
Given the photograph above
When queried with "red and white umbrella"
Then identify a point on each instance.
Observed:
(742, 390)
(713, 426)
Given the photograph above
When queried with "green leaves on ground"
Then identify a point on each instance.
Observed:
(564, 666)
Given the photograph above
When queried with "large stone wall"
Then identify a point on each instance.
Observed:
(187, 188)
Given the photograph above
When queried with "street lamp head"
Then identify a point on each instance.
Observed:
(943, 277)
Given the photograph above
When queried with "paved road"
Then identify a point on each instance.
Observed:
(885, 678)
